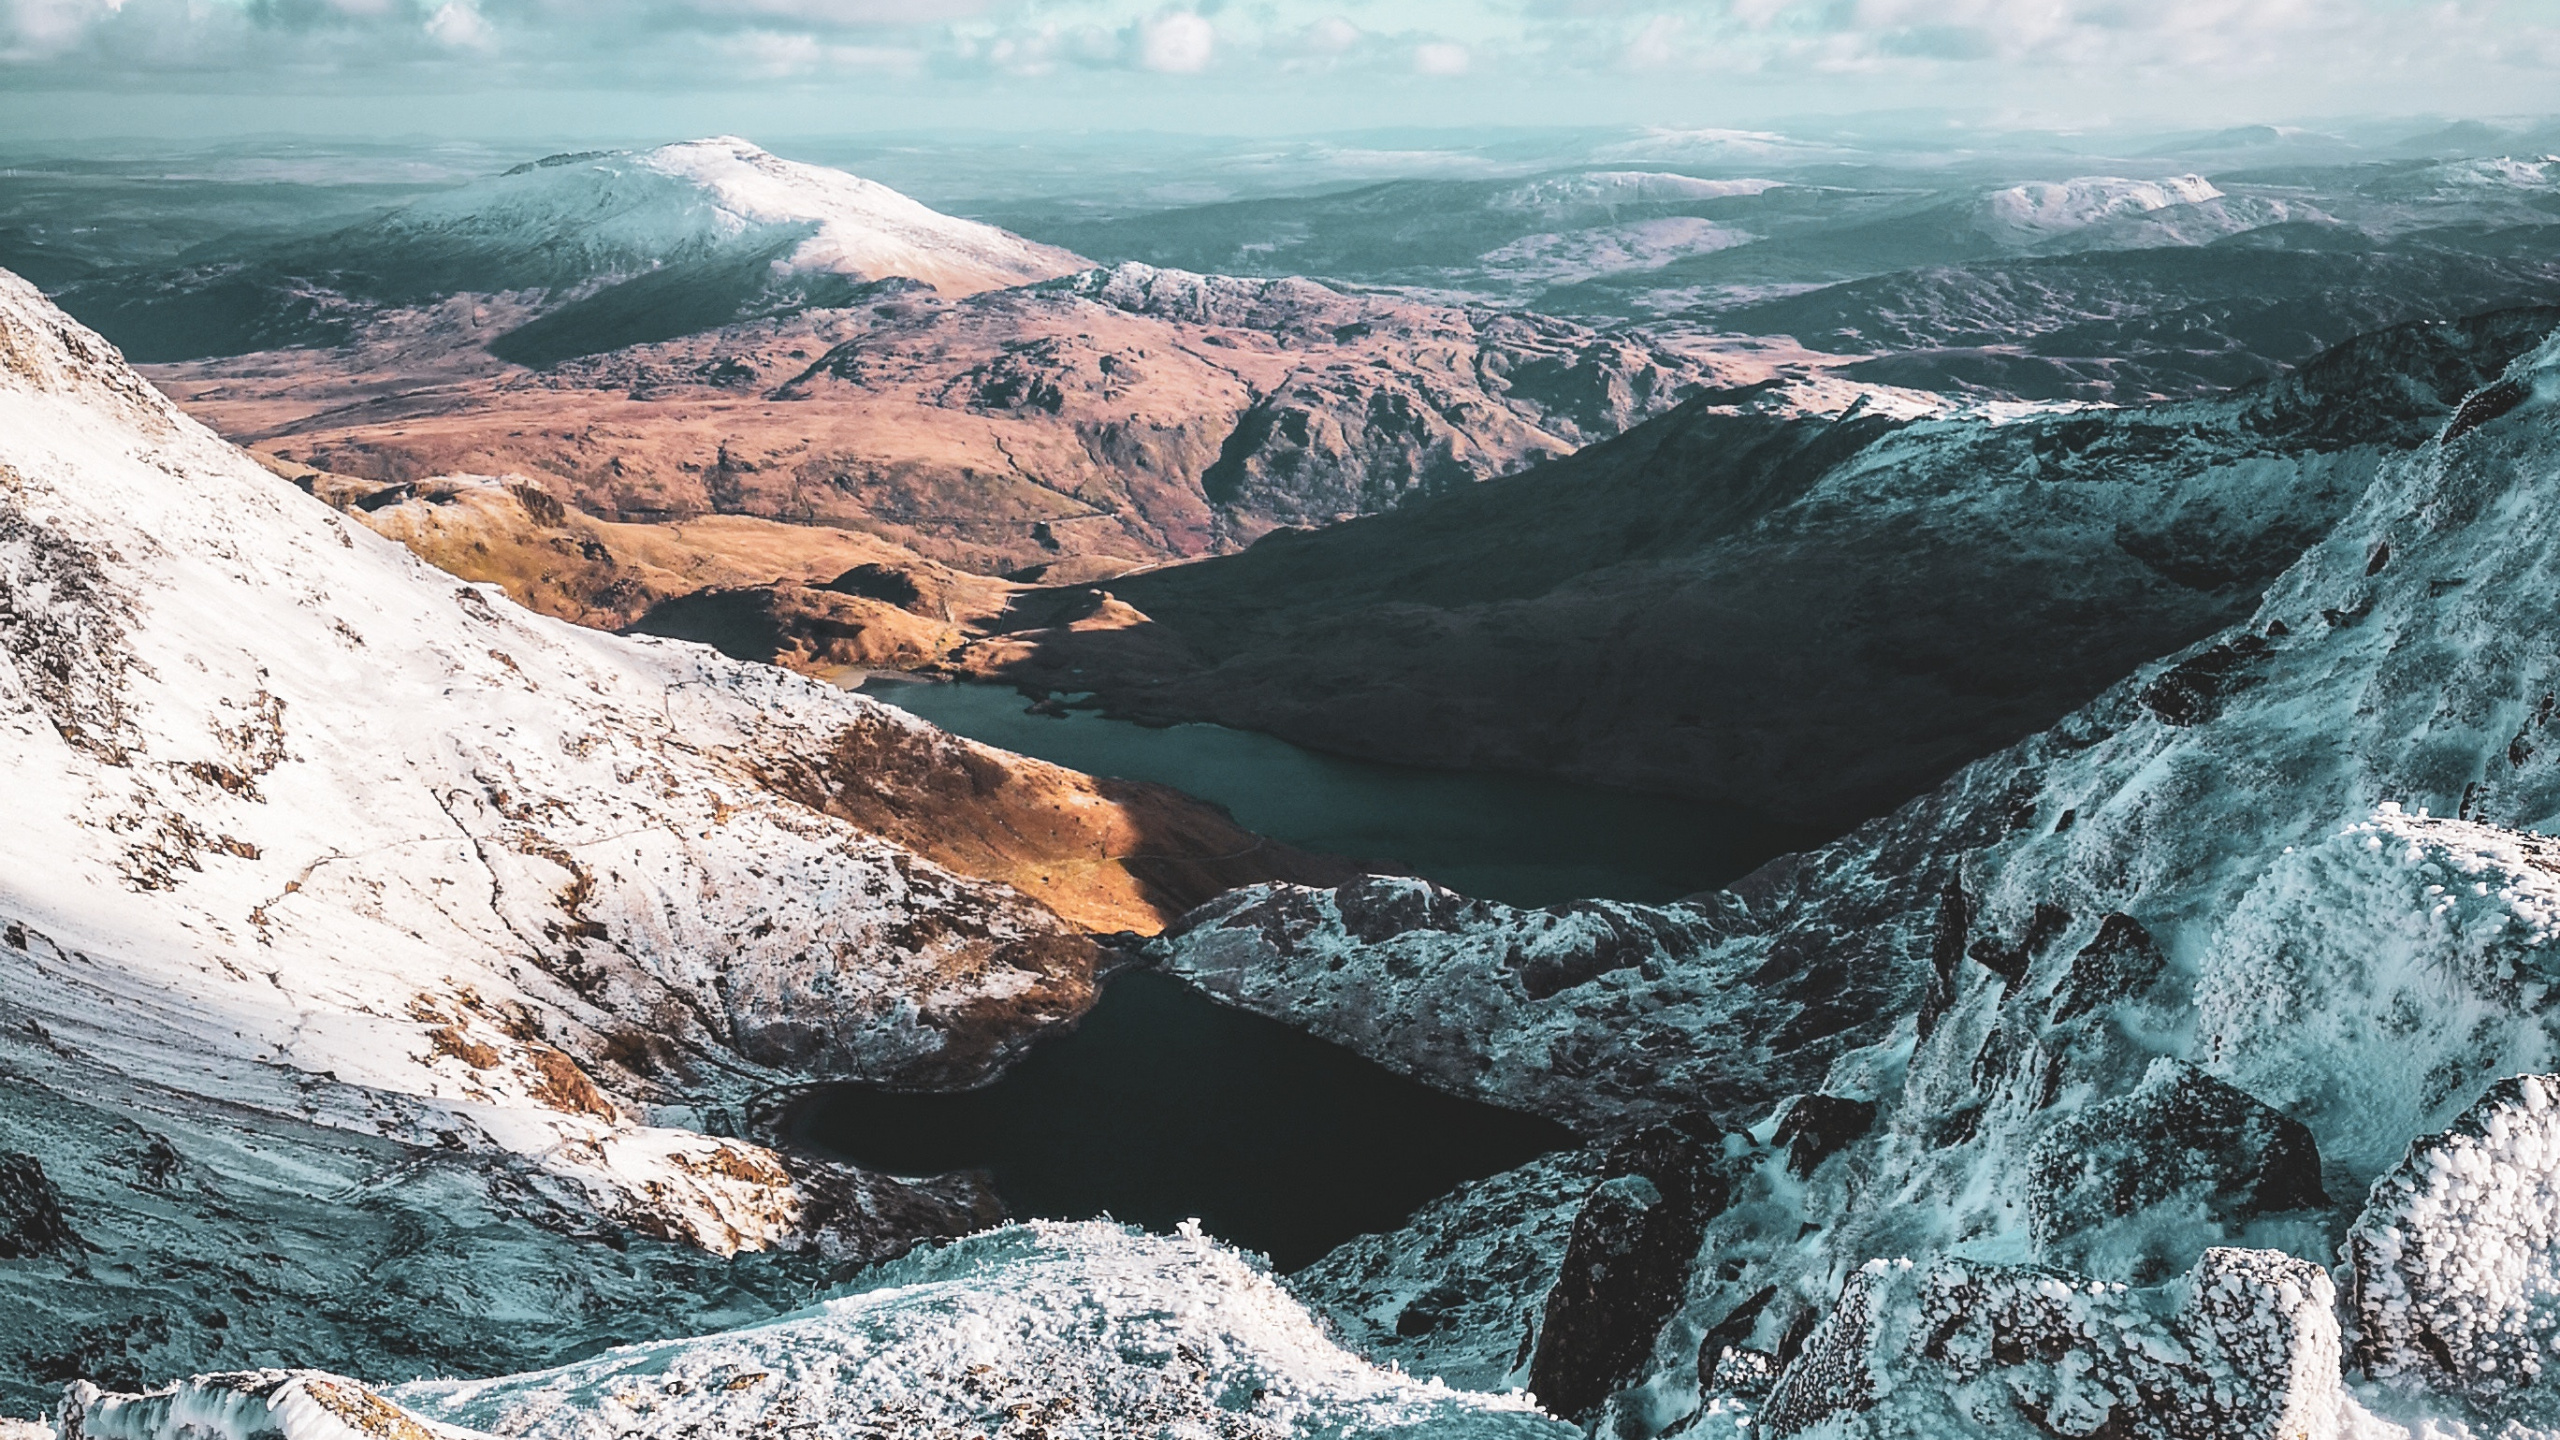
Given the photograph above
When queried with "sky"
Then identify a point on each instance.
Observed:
(617, 68)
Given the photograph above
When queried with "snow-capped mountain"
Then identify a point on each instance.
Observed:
(2031, 214)
(630, 211)
(2046, 1105)
(581, 252)
(400, 851)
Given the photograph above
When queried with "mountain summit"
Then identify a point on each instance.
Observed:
(628, 210)
(598, 249)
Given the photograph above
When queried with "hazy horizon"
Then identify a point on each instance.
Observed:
(518, 68)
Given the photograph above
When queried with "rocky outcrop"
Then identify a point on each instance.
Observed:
(1598, 1013)
(2454, 1266)
(1459, 1290)
(2244, 1347)
(1815, 1127)
(2180, 1136)
(1626, 1263)
(31, 1219)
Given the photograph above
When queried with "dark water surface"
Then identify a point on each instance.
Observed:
(1164, 1106)
(1515, 838)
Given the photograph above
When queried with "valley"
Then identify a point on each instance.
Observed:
(1620, 782)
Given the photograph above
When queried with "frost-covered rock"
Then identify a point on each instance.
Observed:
(1459, 1289)
(2179, 1136)
(1597, 1012)
(2372, 981)
(2244, 1347)
(284, 1404)
(2454, 1265)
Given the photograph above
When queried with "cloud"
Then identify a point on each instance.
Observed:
(1176, 43)
(1599, 61)
(1439, 57)
(1654, 46)
(459, 26)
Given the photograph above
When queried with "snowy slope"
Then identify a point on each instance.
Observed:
(2194, 979)
(627, 211)
(1565, 196)
(300, 823)
(2033, 213)
(1061, 1331)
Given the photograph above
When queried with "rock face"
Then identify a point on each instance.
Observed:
(2169, 984)
(1625, 1264)
(1107, 419)
(31, 1220)
(1817, 617)
(1460, 1290)
(315, 847)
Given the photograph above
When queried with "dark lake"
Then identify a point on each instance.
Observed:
(1163, 1105)
(1515, 838)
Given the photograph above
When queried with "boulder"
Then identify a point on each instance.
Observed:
(2455, 1263)
(2245, 1345)
(2180, 1136)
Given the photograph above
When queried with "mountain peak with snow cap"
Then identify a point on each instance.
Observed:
(592, 214)
(2041, 210)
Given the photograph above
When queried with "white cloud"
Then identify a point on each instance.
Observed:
(1176, 43)
(1439, 57)
(459, 25)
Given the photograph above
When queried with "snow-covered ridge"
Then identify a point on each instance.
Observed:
(302, 825)
(1623, 187)
(721, 196)
(1067, 1331)
(2041, 210)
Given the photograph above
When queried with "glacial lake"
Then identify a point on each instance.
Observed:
(1520, 839)
(1163, 1106)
